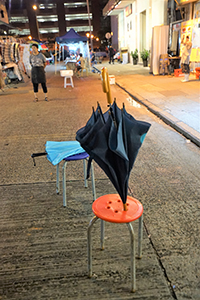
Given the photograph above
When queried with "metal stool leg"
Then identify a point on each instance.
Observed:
(133, 273)
(140, 236)
(64, 183)
(102, 234)
(57, 180)
(89, 244)
(93, 182)
(85, 173)
(65, 81)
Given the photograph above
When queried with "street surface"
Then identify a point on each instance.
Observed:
(43, 249)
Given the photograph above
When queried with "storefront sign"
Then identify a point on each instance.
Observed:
(108, 35)
(190, 28)
(183, 2)
(128, 10)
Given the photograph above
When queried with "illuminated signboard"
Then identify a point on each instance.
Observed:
(128, 10)
(187, 1)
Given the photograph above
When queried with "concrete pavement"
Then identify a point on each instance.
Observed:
(43, 246)
(175, 102)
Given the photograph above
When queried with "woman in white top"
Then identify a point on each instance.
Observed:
(185, 58)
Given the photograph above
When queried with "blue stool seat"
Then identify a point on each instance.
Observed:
(80, 156)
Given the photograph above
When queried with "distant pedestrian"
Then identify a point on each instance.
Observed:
(92, 58)
(38, 63)
(80, 64)
(185, 58)
(111, 54)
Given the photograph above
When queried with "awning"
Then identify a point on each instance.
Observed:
(8, 26)
(185, 2)
(114, 7)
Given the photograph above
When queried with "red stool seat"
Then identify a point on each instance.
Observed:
(110, 208)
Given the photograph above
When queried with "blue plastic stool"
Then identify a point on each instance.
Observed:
(81, 156)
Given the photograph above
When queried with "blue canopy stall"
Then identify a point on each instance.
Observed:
(74, 42)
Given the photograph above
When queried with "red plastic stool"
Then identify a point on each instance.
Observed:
(109, 208)
(197, 73)
(178, 72)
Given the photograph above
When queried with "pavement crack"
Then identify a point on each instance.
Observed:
(160, 263)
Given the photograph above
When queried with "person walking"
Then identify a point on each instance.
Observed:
(38, 63)
(111, 54)
(185, 58)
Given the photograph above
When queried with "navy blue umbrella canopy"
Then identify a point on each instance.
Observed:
(71, 37)
(113, 140)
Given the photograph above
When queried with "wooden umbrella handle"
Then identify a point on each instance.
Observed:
(106, 84)
(125, 206)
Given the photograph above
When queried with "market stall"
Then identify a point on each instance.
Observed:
(73, 44)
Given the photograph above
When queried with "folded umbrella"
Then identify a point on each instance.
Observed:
(113, 142)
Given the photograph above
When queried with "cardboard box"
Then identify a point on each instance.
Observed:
(112, 79)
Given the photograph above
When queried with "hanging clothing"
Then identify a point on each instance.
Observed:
(173, 47)
(2, 82)
(6, 53)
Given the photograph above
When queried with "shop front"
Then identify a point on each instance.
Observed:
(189, 26)
(136, 19)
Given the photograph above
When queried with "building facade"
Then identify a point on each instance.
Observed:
(133, 22)
(54, 18)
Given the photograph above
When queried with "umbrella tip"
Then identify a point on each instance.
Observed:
(125, 207)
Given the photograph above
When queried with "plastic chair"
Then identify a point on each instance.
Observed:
(67, 74)
(84, 67)
(81, 156)
(164, 63)
(109, 208)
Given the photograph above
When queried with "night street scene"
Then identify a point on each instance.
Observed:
(100, 149)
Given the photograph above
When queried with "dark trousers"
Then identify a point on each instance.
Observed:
(44, 87)
(185, 68)
(111, 59)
